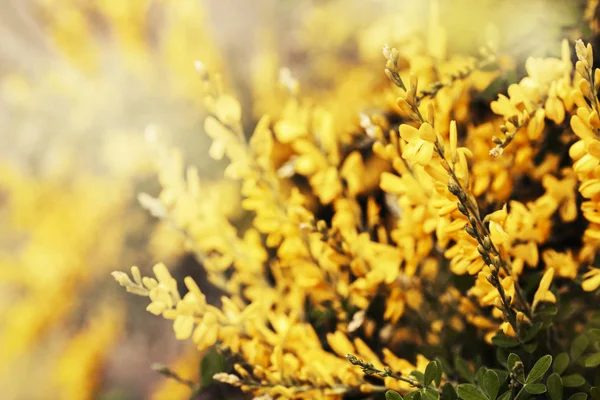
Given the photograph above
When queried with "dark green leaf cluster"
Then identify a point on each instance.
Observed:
(573, 373)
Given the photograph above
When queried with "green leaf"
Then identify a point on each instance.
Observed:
(549, 310)
(555, 386)
(466, 391)
(592, 360)
(463, 368)
(448, 392)
(502, 376)
(512, 360)
(594, 334)
(574, 380)
(491, 384)
(530, 347)
(419, 375)
(578, 396)
(429, 394)
(535, 388)
(438, 374)
(416, 395)
(539, 369)
(479, 375)
(391, 395)
(430, 373)
(445, 366)
(533, 331)
(492, 90)
(501, 340)
(595, 393)
(579, 345)
(491, 67)
(504, 396)
(561, 362)
(501, 356)
(521, 394)
(211, 364)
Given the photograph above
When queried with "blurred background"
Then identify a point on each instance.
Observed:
(80, 83)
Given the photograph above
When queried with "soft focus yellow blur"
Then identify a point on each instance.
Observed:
(80, 83)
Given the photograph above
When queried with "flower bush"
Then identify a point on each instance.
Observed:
(436, 241)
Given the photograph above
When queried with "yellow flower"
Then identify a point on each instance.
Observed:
(486, 292)
(591, 280)
(420, 147)
(340, 344)
(563, 263)
(464, 257)
(543, 293)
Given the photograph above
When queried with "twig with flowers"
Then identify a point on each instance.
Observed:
(467, 205)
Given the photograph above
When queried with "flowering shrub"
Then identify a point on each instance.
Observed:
(440, 244)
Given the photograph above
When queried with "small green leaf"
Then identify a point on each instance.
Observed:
(574, 380)
(491, 384)
(448, 392)
(479, 375)
(530, 347)
(492, 90)
(522, 394)
(391, 395)
(416, 395)
(578, 396)
(501, 340)
(463, 368)
(533, 331)
(466, 391)
(419, 375)
(211, 363)
(555, 387)
(579, 345)
(595, 393)
(438, 374)
(491, 67)
(594, 334)
(504, 396)
(592, 360)
(502, 376)
(539, 369)
(446, 367)
(512, 360)
(430, 373)
(501, 356)
(561, 363)
(549, 310)
(429, 394)
(535, 388)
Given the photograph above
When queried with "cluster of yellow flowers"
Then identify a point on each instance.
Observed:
(420, 223)
(71, 162)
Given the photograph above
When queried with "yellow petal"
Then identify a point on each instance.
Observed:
(593, 148)
(593, 282)
(391, 183)
(542, 291)
(580, 128)
(409, 133)
(427, 133)
(453, 140)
